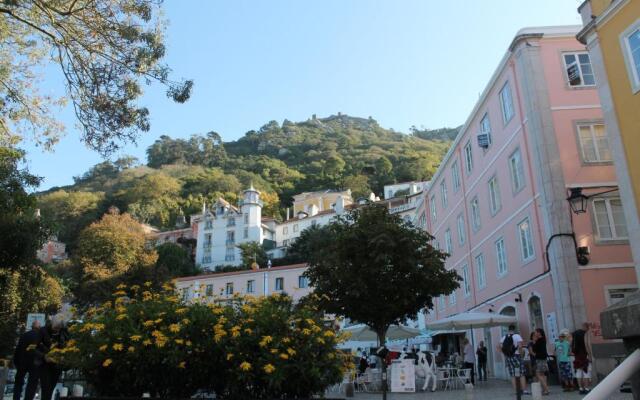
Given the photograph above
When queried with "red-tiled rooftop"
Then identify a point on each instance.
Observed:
(242, 272)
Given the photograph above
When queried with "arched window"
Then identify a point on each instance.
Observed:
(510, 311)
(535, 313)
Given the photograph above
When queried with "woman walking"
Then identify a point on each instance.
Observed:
(539, 352)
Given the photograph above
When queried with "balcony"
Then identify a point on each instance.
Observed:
(230, 242)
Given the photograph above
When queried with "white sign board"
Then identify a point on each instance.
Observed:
(403, 376)
(552, 327)
(35, 316)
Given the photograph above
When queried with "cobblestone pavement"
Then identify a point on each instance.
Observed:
(491, 390)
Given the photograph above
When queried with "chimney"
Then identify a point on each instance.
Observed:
(287, 218)
(413, 189)
(339, 205)
(313, 210)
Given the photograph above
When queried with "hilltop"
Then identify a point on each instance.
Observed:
(335, 152)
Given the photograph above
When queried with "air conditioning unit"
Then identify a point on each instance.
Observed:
(483, 140)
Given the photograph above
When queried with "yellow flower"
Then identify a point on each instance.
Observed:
(181, 310)
(286, 340)
(235, 331)
(135, 338)
(131, 349)
(320, 340)
(229, 356)
(245, 366)
(147, 283)
(265, 341)
(148, 323)
(135, 287)
(121, 286)
(310, 321)
(120, 293)
(188, 343)
(158, 320)
(284, 356)
(103, 347)
(156, 334)
(248, 331)
(118, 346)
(107, 362)
(185, 321)
(175, 328)
(146, 296)
(121, 317)
(329, 333)
(274, 351)
(146, 342)
(269, 368)
(182, 364)
(291, 351)
(179, 341)
(306, 331)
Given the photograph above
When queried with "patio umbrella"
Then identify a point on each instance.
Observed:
(471, 320)
(364, 334)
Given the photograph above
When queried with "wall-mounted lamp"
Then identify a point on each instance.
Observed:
(519, 298)
(582, 253)
(578, 201)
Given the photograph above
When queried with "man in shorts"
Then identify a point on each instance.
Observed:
(581, 347)
(511, 347)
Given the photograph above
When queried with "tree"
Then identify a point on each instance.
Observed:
(377, 269)
(105, 50)
(253, 251)
(109, 252)
(173, 261)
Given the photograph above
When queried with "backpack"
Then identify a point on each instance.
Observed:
(508, 347)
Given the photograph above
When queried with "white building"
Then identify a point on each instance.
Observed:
(390, 191)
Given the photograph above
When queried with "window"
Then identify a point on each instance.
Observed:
(441, 300)
(295, 227)
(468, 157)
(506, 103)
(609, 218)
(303, 282)
(245, 233)
(230, 255)
(279, 283)
(209, 291)
(285, 230)
(516, 171)
(452, 298)
(495, 203)
(207, 240)
(578, 69)
(251, 286)
(231, 221)
(447, 241)
(436, 245)
(231, 237)
(185, 294)
(501, 257)
(455, 176)
(285, 242)
(485, 127)
(619, 293)
(466, 281)
(206, 259)
(246, 219)
(208, 224)
(432, 207)
(461, 230)
(631, 44)
(229, 288)
(594, 143)
(526, 240)
(443, 194)
(475, 214)
(480, 271)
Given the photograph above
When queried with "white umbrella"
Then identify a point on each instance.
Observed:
(364, 334)
(470, 320)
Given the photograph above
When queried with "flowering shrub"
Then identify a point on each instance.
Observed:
(245, 347)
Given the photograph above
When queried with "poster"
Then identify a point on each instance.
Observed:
(552, 327)
(403, 376)
(35, 316)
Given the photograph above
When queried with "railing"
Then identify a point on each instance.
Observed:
(231, 241)
(616, 378)
(404, 207)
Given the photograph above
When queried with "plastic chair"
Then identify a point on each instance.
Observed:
(464, 376)
(443, 376)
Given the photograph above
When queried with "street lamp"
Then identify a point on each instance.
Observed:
(577, 201)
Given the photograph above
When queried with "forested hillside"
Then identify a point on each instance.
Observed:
(280, 160)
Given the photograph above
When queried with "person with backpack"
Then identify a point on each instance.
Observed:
(511, 347)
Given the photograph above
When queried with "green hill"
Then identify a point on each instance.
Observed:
(281, 160)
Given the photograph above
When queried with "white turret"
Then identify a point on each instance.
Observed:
(251, 215)
(339, 205)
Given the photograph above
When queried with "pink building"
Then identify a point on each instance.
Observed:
(499, 199)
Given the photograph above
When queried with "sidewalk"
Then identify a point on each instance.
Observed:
(494, 389)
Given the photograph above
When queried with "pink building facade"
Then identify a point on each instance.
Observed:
(498, 206)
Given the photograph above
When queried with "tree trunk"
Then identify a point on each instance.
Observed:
(381, 341)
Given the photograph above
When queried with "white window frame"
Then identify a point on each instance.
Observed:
(468, 157)
(246, 219)
(432, 208)
(506, 103)
(443, 302)
(295, 227)
(303, 282)
(228, 288)
(476, 222)
(516, 172)
(443, 194)
(612, 225)
(485, 127)
(481, 271)
(452, 298)
(462, 237)
(502, 264)
(596, 148)
(608, 288)
(285, 230)
(566, 67)
(208, 290)
(495, 200)
(448, 241)
(455, 176)
(251, 286)
(632, 70)
(246, 233)
(279, 287)
(528, 247)
(466, 280)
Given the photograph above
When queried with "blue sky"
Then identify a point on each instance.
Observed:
(409, 62)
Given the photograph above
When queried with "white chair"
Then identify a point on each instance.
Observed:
(463, 376)
(363, 382)
(443, 376)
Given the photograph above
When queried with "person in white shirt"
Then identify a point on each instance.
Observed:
(511, 347)
(469, 358)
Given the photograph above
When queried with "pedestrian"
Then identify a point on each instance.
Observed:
(481, 352)
(539, 352)
(511, 347)
(56, 336)
(529, 360)
(581, 348)
(28, 359)
(563, 350)
(469, 359)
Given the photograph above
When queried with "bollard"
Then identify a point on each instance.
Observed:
(77, 390)
(536, 391)
(146, 394)
(349, 389)
(64, 391)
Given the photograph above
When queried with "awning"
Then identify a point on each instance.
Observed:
(470, 320)
(395, 332)
(446, 332)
